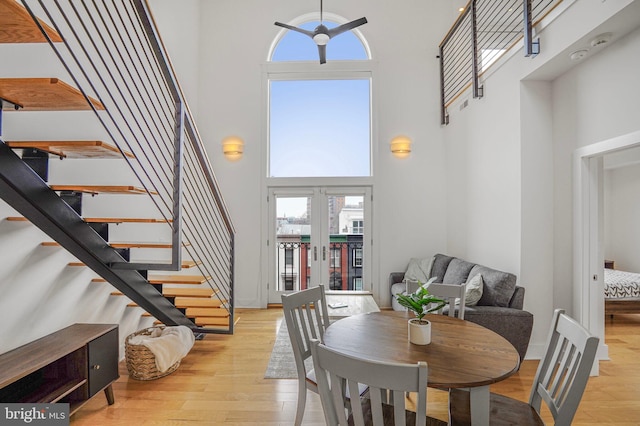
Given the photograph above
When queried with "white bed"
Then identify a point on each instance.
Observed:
(621, 292)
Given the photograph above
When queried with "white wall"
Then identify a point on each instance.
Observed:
(621, 213)
(41, 293)
(509, 155)
(409, 195)
(479, 188)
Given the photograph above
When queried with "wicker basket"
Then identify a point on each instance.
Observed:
(141, 363)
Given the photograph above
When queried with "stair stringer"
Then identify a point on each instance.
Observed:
(27, 193)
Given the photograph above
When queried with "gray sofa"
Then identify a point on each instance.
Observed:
(500, 307)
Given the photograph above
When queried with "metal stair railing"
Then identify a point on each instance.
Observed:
(484, 32)
(113, 52)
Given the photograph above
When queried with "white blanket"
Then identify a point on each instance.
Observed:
(169, 345)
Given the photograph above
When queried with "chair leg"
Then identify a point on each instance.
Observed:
(302, 401)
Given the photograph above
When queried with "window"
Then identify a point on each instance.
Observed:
(298, 47)
(319, 115)
(288, 257)
(357, 258)
(357, 226)
(335, 257)
(319, 128)
(357, 284)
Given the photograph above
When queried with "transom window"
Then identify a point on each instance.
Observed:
(295, 46)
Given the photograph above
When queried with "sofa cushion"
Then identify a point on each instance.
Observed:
(397, 288)
(440, 265)
(457, 271)
(419, 269)
(498, 286)
(473, 292)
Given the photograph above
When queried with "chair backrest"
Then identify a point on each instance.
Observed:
(563, 372)
(340, 374)
(452, 293)
(307, 317)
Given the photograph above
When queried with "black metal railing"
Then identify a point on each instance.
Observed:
(484, 32)
(344, 261)
(113, 53)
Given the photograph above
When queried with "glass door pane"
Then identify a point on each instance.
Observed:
(346, 218)
(317, 235)
(293, 239)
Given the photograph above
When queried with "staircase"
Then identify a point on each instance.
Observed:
(138, 106)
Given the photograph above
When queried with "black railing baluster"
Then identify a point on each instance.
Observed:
(495, 26)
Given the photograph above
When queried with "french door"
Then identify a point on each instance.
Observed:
(319, 235)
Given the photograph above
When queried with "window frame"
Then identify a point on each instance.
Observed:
(301, 71)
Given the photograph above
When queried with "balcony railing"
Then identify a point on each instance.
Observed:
(344, 258)
(484, 32)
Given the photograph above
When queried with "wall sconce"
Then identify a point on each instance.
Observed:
(232, 147)
(401, 146)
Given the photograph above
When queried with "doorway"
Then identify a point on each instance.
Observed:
(319, 235)
(588, 232)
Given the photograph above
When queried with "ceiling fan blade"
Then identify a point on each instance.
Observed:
(322, 50)
(346, 27)
(292, 28)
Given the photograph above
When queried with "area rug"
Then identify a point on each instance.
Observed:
(282, 364)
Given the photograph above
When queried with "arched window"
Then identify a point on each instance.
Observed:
(319, 116)
(294, 46)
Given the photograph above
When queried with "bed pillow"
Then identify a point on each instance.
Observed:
(419, 269)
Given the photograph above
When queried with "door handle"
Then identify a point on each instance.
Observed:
(315, 253)
(324, 253)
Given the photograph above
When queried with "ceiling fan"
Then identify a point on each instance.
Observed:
(321, 35)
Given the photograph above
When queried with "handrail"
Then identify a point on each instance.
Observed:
(483, 32)
(113, 52)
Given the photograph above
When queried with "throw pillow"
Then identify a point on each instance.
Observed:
(473, 292)
(439, 267)
(419, 269)
(457, 271)
(498, 286)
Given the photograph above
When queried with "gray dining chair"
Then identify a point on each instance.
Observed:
(451, 293)
(560, 380)
(307, 317)
(339, 374)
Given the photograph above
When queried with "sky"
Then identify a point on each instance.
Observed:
(319, 127)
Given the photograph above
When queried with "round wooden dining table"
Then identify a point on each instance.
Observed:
(461, 354)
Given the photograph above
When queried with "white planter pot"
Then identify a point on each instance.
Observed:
(419, 333)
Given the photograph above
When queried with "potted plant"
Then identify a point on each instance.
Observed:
(420, 302)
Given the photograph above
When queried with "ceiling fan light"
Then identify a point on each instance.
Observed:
(321, 39)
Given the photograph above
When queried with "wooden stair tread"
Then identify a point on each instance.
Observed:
(101, 220)
(16, 25)
(102, 189)
(197, 302)
(120, 245)
(178, 279)
(186, 264)
(72, 149)
(204, 321)
(207, 312)
(123, 220)
(187, 292)
(144, 245)
(44, 94)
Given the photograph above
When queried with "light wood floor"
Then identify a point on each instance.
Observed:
(221, 382)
